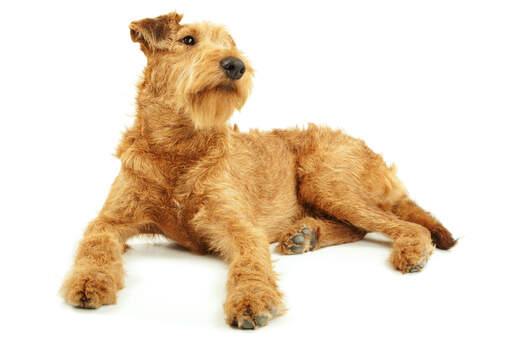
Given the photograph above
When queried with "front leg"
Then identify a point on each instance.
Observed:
(97, 273)
(253, 297)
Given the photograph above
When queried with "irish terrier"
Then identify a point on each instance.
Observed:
(189, 176)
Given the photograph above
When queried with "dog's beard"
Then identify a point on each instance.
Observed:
(213, 107)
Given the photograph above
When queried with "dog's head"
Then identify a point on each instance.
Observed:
(196, 66)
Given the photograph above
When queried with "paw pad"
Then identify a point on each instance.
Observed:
(299, 241)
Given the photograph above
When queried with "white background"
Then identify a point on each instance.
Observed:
(426, 83)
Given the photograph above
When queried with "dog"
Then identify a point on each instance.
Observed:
(188, 175)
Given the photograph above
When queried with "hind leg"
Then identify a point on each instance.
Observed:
(342, 177)
(412, 243)
(407, 209)
(310, 234)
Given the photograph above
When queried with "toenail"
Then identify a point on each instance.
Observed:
(414, 270)
(272, 311)
(246, 324)
(306, 231)
(261, 320)
(298, 239)
(297, 249)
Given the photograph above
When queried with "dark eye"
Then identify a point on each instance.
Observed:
(188, 40)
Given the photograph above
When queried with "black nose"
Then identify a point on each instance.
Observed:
(234, 67)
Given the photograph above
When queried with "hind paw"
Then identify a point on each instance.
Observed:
(299, 240)
(411, 255)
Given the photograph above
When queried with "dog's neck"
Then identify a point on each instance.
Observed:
(167, 128)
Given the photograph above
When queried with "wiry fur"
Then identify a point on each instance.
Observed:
(189, 176)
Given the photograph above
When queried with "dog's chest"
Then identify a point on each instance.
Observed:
(178, 206)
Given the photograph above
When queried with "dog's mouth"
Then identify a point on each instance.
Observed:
(226, 87)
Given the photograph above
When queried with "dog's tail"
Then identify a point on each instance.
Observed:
(407, 209)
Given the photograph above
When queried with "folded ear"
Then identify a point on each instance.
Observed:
(152, 33)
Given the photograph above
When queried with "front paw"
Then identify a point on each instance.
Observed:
(252, 305)
(90, 287)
